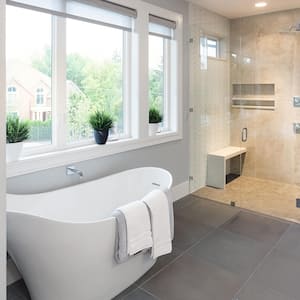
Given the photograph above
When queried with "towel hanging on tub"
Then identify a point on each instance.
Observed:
(159, 208)
(133, 230)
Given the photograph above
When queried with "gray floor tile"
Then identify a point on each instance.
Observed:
(192, 278)
(207, 212)
(17, 291)
(126, 292)
(160, 263)
(281, 273)
(254, 290)
(260, 228)
(234, 252)
(183, 202)
(188, 231)
(290, 242)
(138, 294)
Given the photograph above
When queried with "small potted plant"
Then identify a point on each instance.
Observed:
(155, 117)
(101, 122)
(17, 132)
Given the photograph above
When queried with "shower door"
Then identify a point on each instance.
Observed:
(265, 89)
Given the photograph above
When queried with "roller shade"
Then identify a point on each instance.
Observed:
(97, 11)
(161, 27)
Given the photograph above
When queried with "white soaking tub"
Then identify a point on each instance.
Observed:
(63, 241)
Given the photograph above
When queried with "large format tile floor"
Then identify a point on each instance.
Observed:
(220, 253)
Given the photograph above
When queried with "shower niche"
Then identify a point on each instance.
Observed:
(253, 96)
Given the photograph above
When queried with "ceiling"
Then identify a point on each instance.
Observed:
(241, 8)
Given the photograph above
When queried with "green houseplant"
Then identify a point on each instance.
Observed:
(17, 131)
(155, 117)
(101, 122)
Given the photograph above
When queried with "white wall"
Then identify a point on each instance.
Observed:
(2, 156)
(209, 92)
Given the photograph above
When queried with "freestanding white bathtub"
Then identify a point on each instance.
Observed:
(63, 241)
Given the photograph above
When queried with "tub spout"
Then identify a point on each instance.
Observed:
(71, 170)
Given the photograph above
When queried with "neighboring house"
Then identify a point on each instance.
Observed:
(29, 92)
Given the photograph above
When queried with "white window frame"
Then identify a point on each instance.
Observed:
(217, 40)
(137, 101)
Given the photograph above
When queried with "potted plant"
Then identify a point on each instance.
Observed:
(155, 117)
(17, 131)
(101, 122)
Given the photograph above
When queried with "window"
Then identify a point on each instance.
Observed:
(28, 64)
(40, 96)
(212, 47)
(157, 74)
(89, 56)
(11, 96)
(161, 33)
(94, 76)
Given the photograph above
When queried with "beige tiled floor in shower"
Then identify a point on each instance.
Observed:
(265, 196)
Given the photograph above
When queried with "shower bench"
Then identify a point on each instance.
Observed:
(216, 165)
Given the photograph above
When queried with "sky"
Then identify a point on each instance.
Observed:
(29, 32)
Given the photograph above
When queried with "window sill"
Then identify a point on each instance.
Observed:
(54, 159)
(217, 58)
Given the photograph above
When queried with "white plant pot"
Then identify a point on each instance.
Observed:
(153, 128)
(13, 151)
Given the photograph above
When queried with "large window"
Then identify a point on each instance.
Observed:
(66, 59)
(161, 33)
(94, 76)
(28, 42)
(157, 74)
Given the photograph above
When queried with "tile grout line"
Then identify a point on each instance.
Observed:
(188, 249)
(176, 258)
(147, 292)
(235, 297)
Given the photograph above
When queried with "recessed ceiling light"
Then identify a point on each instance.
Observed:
(261, 4)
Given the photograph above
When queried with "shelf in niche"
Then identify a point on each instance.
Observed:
(253, 96)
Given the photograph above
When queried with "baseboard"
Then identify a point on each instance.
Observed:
(181, 190)
(12, 272)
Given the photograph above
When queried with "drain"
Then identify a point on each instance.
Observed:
(232, 203)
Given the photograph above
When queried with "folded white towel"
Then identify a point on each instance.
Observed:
(138, 227)
(158, 205)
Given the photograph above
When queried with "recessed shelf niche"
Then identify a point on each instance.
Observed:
(253, 96)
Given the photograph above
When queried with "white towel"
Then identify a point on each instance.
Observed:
(138, 227)
(158, 205)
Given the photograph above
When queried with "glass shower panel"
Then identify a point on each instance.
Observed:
(210, 104)
(198, 108)
(264, 81)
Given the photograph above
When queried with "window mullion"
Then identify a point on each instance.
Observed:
(59, 82)
(142, 29)
(167, 87)
(126, 60)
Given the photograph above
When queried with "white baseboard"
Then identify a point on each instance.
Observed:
(12, 272)
(181, 190)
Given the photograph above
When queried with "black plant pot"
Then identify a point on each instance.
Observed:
(101, 136)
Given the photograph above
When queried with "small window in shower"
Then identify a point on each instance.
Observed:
(212, 47)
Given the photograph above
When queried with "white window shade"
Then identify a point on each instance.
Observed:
(97, 11)
(161, 27)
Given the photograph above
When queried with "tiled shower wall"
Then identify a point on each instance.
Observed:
(209, 93)
(264, 55)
